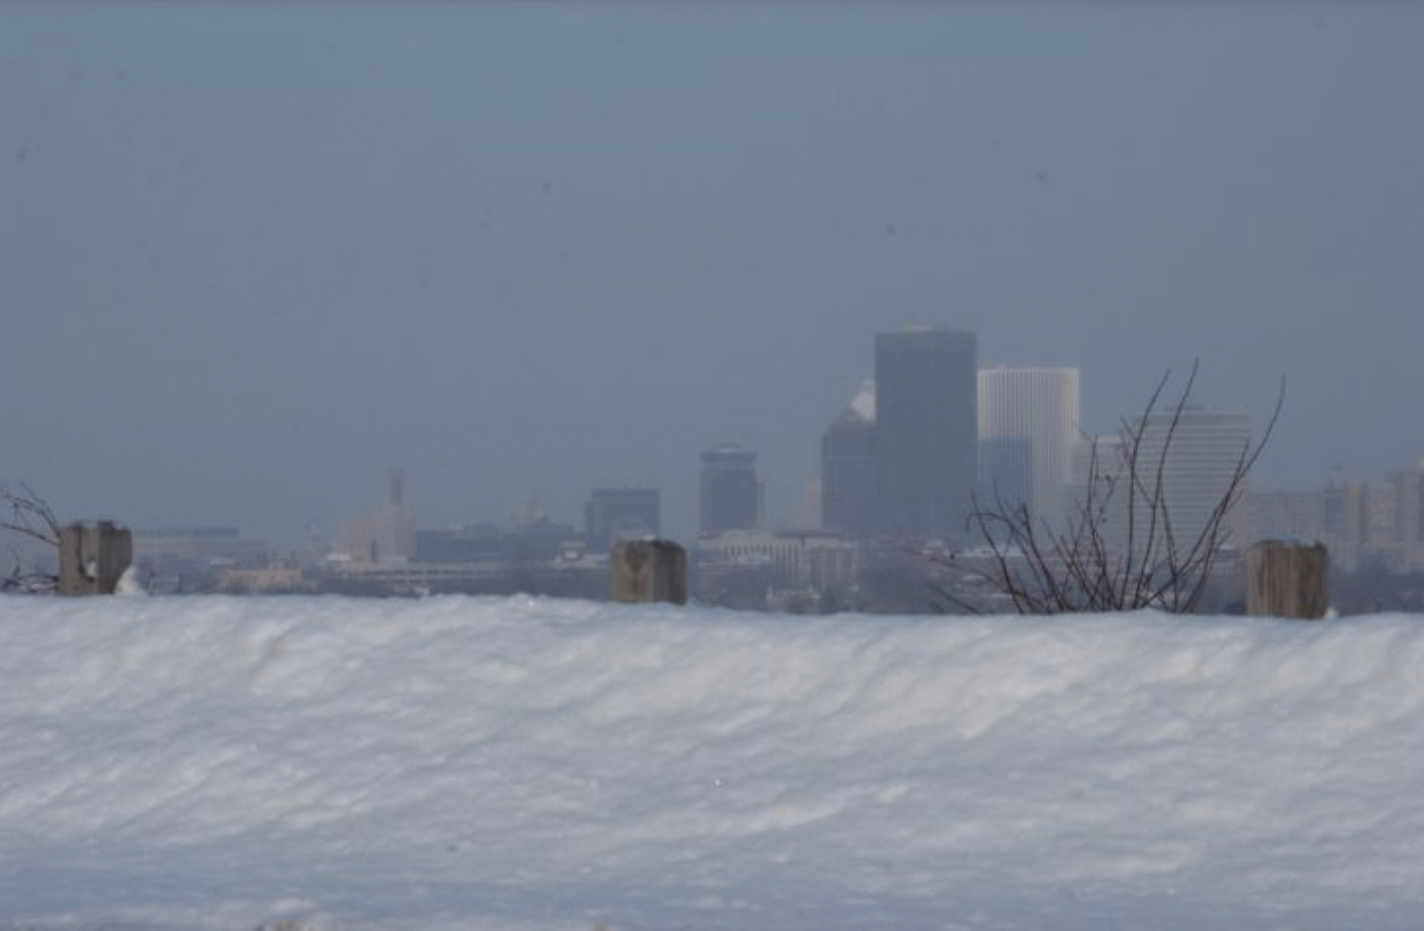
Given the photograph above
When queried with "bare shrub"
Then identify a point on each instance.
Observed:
(28, 515)
(1118, 548)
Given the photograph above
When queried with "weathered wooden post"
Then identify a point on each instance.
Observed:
(647, 570)
(92, 557)
(1286, 580)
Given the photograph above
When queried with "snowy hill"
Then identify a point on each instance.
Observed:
(321, 763)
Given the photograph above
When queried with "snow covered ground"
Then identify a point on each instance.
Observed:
(322, 763)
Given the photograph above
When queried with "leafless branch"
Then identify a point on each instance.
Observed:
(28, 515)
(1080, 567)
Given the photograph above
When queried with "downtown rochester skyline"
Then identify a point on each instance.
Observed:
(255, 255)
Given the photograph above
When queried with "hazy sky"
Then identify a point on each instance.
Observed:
(251, 255)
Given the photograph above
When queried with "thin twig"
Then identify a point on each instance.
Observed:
(1045, 569)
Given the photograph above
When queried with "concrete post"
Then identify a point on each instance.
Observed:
(92, 557)
(647, 570)
(1286, 580)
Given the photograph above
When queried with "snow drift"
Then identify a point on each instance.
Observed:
(520, 763)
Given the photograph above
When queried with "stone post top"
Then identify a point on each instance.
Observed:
(648, 570)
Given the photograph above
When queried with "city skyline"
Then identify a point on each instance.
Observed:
(1023, 399)
(257, 253)
(1022, 438)
(1012, 401)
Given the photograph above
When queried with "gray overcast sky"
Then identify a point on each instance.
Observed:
(254, 254)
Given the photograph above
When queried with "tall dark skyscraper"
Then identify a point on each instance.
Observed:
(730, 491)
(926, 431)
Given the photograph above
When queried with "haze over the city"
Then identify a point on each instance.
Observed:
(252, 255)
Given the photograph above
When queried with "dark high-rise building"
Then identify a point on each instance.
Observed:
(620, 514)
(926, 431)
(848, 468)
(730, 493)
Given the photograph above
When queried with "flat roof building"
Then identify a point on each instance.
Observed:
(926, 431)
(729, 491)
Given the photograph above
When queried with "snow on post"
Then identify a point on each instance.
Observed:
(92, 557)
(1286, 580)
(647, 570)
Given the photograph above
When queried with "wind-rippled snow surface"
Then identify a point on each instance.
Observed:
(305, 764)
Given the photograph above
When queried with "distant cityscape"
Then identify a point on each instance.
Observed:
(920, 442)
